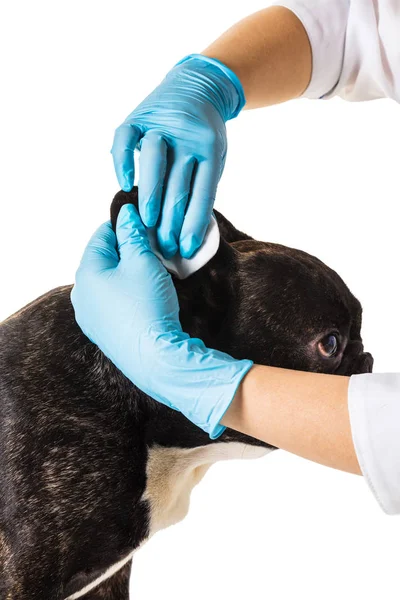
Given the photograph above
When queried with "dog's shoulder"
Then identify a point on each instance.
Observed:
(72, 439)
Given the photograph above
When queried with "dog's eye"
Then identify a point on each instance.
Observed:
(328, 345)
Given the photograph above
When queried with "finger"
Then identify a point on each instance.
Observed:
(125, 139)
(153, 162)
(131, 233)
(201, 203)
(135, 250)
(101, 252)
(175, 201)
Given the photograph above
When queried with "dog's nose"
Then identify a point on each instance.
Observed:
(364, 364)
(355, 361)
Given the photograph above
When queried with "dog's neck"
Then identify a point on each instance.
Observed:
(157, 424)
(207, 297)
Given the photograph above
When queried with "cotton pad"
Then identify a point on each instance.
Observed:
(183, 267)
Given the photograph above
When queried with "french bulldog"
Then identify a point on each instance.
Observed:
(90, 466)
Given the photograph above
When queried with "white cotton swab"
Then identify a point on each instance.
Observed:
(183, 267)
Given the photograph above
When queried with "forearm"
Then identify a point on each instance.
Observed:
(270, 53)
(303, 413)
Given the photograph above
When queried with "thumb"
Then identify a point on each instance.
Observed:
(132, 237)
(135, 250)
(101, 251)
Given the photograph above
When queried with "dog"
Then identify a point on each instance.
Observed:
(90, 466)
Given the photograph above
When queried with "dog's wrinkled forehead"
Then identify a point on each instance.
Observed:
(294, 283)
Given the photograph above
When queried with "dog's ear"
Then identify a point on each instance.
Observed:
(119, 200)
(227, 231)
(205, 297)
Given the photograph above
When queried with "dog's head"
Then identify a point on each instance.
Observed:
(275, 305)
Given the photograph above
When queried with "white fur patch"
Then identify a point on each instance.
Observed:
(172, 473)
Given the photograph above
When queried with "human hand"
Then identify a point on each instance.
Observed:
(180, 130)
(127, 305)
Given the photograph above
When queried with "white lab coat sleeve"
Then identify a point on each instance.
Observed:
(374, 408)
(356, 55)
(355, 47)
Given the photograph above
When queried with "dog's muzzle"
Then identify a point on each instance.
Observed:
(355, 360)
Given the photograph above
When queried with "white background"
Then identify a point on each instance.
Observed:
(320, 176)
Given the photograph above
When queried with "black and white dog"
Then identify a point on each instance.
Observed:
(90, 466)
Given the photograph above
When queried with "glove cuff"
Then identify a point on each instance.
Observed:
(240, 368)
(233, 78)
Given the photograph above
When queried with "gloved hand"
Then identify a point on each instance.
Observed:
(128, 306)
(180, 130)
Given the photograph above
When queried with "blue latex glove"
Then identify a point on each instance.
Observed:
(180, 130)
(128, 306)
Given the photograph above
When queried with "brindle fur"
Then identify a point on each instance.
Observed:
(75, 433)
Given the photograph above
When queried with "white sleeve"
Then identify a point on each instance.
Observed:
(355, 47)
(374, 408)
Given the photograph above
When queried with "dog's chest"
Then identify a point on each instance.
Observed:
(172, 473)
